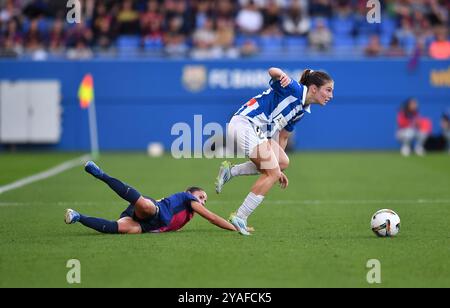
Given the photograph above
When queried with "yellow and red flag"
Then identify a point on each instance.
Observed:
(86, 91)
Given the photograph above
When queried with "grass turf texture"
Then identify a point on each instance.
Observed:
(314, 234)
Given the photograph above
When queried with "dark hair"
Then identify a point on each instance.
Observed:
(193, 189)
(317, 78)
(406, 107)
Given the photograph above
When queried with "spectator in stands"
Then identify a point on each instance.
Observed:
(79, 32)
(36, 9)
(175, 44)
(152, 33)
(128, 19)
(321, 37)
(412, 128)
(204, 39)
(151, 20)
(102, 27)
(81, 51)
(322, 8)
(440, 48)
(405, 35)
(445, 126)
(249, 49)
(272, 19)
(439, 12)
(34, 38)
(104, 35)
(394, 49)
(296, 20)
(373, 48)
(9, 12)
(203, 11)
(225, 36)
(250, 19)
(224, 9)
(12, 39)
(179, 9)
(57, 38)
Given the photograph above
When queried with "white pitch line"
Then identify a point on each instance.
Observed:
(320, 202)
(45, 174)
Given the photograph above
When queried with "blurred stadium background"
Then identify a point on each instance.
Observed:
(161, 62)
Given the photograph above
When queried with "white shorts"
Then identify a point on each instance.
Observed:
(245, 135)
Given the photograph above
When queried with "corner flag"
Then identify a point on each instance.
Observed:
(86, 91)
(86, 96)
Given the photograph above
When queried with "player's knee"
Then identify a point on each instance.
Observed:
(284, 164)
(127, 226)
(145, 206)
(274, 174)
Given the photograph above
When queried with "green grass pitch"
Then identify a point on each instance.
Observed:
(314, 234)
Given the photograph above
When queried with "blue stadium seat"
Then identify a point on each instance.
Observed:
(316, 20)
(45, 25)
(271, 44)
(343, 41)
(388, 25)
(408, 43)
(152, 45)
(242, 39)
(128, 41)
(128, 45)
(295, 43)
(342, 25)
(386, 39)
(362, 40)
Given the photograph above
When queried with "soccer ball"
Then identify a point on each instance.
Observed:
(155, 149)
(385, 223)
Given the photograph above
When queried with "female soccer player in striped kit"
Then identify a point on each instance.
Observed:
(261, 129)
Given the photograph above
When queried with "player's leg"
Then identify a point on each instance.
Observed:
(227, 171)
(280, 154)
(128, 226)
(265, 159)
(406, 137)
(99, 224)
(144, 208)
(125, 191)
(421, 138)
(240, 133)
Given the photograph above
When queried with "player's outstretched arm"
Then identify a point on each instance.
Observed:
(278, 74)
(211, 217)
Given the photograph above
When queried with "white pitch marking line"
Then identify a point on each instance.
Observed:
(319, 202)
(45, 174)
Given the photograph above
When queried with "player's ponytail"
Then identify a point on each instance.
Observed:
(317, 78)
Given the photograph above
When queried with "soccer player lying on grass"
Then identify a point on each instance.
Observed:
(146, 215)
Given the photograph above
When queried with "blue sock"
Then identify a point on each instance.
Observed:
(100, 225)
(126, 192)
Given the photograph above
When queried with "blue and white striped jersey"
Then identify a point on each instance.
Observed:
(277, 108)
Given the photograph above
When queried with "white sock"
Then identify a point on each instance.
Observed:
(249, 206)
(248, 168)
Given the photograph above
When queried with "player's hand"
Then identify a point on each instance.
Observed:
(285, 80)
(250, 229)
(284, 181)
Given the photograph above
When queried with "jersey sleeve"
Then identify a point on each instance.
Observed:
(294, 88)
(189, 197)
(290, 127)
